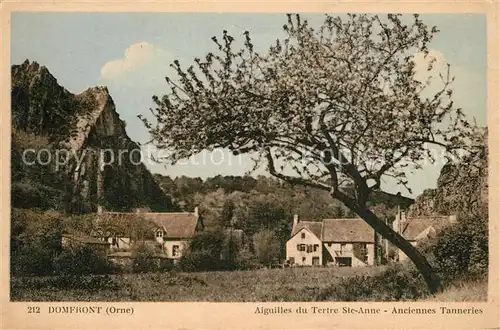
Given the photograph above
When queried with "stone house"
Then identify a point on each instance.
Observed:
(340, 242)
(170, 232)
(415, 229)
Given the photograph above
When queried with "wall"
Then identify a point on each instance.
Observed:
(346, 251)
(304, 258)
(401, 255)
(122, 243)
(168, 246)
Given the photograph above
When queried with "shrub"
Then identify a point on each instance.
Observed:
(194, 261)
(460, 251)
(81, 260)
(397, 282)
(32, 260)
(143, 259)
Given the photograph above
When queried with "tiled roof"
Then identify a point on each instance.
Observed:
(347, 230)
(417, 225)
(82, 237)
(315, 227)
(175, 224)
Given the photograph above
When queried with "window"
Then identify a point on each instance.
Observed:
(303, 259)
(291, 260)
(329, 244)
(344, 262)
(315, 261)
(175, 251)
(303, 235)
(316, 246)
(159, 233)
(301, 247)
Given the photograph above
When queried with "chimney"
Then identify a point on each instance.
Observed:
(295, 220)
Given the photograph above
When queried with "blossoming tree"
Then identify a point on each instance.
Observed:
(337, 108)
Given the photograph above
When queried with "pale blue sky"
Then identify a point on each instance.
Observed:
(87, 49)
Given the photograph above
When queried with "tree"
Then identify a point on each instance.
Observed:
(267, 247)
(338, 108)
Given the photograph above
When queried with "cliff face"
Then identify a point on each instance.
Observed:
(461, 188)
(82, 127)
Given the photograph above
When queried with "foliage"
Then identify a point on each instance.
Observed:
(34, 241)
(204, 252)
(143, 257)
(394, 284)
(81, 260)
(461, 251)
(267, 247)
(338, 108)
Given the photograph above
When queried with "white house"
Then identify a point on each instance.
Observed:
(342, 242)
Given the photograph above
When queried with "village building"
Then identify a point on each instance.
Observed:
(340, 242)
(169, 234)
(416, 229)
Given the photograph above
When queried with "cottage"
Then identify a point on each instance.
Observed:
(417, 228)
(171, 231)
(341, 242)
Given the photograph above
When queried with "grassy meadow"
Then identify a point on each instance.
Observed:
(290, 284)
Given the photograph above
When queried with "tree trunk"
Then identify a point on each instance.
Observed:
(430, 277)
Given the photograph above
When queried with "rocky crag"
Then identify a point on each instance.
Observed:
(47, 116)
(462, 188)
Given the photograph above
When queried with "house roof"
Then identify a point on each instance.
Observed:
(347, 230)
(414, 226)
(315, 227)
(175, 224)
(82, 237)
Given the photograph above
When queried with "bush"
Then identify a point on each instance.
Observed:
(194, 261)
(397, 282)
(81, 260)
(143, 259)
(460, 251)
(32, 261)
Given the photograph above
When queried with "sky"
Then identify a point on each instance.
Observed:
(130, 53)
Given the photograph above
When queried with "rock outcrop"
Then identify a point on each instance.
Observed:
(462, 188)
(84, 126)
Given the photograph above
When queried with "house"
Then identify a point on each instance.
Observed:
(342, 242)
(74, 238)
(170, 231)
(417, 228)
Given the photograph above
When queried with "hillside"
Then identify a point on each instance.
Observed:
(47, 116)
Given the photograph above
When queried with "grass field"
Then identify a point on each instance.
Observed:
(291, 284)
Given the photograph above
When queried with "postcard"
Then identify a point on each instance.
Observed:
(213, 165)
